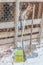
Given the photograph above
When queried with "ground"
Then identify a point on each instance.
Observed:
(30, 61)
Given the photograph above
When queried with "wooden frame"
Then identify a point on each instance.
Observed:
(21, 1)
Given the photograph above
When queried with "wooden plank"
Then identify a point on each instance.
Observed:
(13, 29)
(26, 37)
(12, 25)
(6, 39)
(10, 40)
(6, 25)
(12, 33)
(21, 0)
(39, 10)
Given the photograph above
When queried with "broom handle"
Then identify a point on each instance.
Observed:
(22, 32)
(32, 26)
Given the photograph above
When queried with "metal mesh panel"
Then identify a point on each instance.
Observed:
(7, 11)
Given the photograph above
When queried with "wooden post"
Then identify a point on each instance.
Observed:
(39, 15)
(39, 10)
(40, 29)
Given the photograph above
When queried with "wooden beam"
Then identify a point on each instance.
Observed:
(40, 10)
(12, 25)
(21, 0)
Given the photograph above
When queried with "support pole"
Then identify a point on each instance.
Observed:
(39, 16)
(39, 10)
(40, 29)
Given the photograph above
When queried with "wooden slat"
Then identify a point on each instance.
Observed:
(7, 39)
(13, 29)
(29, 34)
(10, 40)
(40, 10)
(12, 33)
(11, 24)
(21, 0)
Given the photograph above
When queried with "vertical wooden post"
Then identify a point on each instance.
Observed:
(40, 29)
(32, 26)
(39, 10)
(39, 15)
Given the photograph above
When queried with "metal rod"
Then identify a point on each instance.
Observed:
(22, 32)
(32, 26)
(17, 20)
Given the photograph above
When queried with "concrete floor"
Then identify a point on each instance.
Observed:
(34, 61)
(30, 61)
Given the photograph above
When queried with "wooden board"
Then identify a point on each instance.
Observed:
(21, 1)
